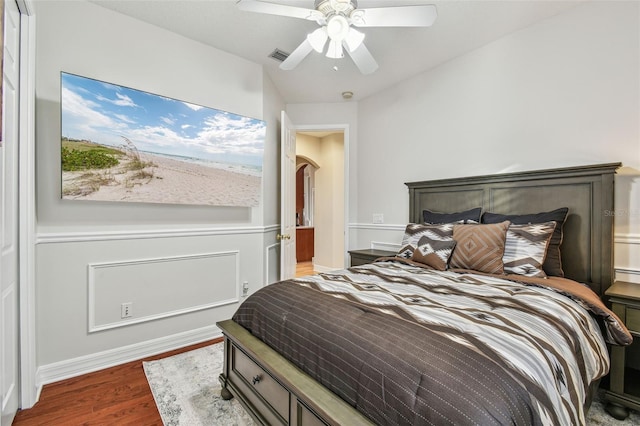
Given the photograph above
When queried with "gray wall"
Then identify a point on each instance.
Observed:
(182, 266)
(562, 92)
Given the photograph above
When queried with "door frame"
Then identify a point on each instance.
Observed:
(29, 388)
(344, 128)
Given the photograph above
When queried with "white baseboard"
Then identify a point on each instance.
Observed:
(322, 269)
(86, 364)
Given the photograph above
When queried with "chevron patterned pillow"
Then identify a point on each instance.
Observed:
(526, 247)
(553, 261)
(480, 247)
(414, 231)
(434, 253)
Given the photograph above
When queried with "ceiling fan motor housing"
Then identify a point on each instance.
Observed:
(331, 7)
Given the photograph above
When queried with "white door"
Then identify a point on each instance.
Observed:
(287, 235)
(9, 373)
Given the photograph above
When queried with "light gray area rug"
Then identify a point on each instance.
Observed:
(187, 393)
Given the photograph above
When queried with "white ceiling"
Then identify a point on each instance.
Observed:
(461, 26)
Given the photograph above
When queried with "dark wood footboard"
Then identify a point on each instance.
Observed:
(273, 390)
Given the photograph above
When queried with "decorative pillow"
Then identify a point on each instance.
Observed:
(434, 253)
(552, 265)
(480, 247)
(414, 231)
(526, 247)
(467, 216)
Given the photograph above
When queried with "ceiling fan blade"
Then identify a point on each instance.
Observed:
(297, 56)
(279, 9)
(363, 59)
(395, 16)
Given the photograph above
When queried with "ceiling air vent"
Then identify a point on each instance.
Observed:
(279, 55)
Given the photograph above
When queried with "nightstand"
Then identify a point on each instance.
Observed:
(360, 257)
(624, 378)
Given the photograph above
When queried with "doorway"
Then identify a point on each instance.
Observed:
(320, 206)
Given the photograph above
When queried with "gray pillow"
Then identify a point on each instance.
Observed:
(467, 216)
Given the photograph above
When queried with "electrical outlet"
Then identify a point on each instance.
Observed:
(378, 218)
(245, 288)
(126, 310)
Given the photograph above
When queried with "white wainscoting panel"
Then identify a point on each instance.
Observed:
(272, 264)
(160, 287)
(627, 257)
(387, 236)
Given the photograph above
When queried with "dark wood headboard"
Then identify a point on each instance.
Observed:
(587, 247)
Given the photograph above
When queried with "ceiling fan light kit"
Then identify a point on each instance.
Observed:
(337, 27)
(318, 38)
(337, 19)
(334, 51)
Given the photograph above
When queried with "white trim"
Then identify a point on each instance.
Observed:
(323, 269)
(86, 364)
(381, 245)
(25, 7)
(92, 267)
(29, 391)
(632, 271)
(379, 226)
(627, 238)
(627, 274)
(85, 236)
(346, 150)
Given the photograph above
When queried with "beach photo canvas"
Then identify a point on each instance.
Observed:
(126, 145)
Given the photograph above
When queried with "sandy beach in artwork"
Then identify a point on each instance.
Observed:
(163, 180)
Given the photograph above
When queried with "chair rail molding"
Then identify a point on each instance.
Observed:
(621, 238)
(136, 234)
(379, 226)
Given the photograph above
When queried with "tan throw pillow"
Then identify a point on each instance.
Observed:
(480, 247)
(433, 252)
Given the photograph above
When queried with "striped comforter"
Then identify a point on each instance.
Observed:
(409, 345)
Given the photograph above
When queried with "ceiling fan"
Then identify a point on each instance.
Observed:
(337, 19)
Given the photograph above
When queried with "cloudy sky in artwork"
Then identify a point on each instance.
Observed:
(106, 114)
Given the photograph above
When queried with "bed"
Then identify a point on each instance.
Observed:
(484, 339)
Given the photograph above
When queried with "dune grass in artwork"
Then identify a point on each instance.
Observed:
(83, 155)
(88, 166)
(122, 144)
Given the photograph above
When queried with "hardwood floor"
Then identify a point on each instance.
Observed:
(115, 396)
(304, 268)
